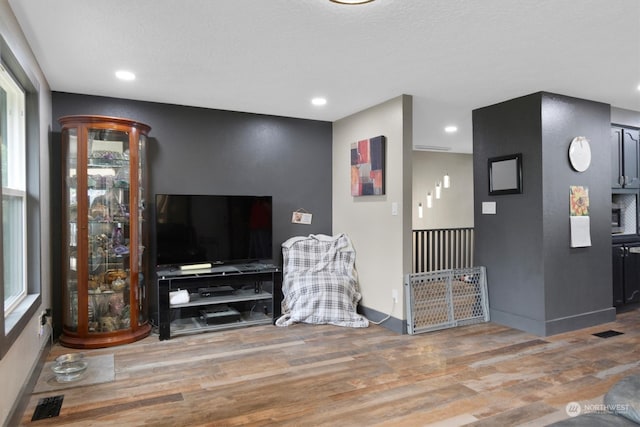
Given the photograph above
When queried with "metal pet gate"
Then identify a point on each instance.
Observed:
(446, 298)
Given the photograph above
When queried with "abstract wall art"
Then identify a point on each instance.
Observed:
(367, 167)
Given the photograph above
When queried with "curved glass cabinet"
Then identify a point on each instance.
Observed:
(104, 231)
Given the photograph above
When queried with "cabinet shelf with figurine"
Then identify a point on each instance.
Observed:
(217, 298)
(104, 235)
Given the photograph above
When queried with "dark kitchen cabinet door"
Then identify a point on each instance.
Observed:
(631, 162)
(618, 274)
(625, 157)
(616, 158)
(632, 273)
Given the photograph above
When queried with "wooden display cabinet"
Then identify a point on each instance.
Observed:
(104, 231)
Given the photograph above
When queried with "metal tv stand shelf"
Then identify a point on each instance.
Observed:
(221, 297)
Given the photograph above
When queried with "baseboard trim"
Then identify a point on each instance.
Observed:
(580, 321)
(544, 328)
(22, 401)
(396, 325)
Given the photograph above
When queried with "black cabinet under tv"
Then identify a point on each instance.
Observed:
(222, 297)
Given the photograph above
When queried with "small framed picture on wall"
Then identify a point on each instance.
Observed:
(505, 174)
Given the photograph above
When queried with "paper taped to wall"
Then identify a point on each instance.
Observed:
(580, 232)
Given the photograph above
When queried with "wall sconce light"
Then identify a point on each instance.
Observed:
(446, 181)
(419, 210)
(438, 189)
(429, 200)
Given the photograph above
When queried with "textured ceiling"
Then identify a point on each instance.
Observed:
(273, 56)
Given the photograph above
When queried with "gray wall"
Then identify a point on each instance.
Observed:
(203, 151)
(537, 283)
(578, 280)
(509, 243)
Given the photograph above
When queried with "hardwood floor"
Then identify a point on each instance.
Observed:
(304, 375)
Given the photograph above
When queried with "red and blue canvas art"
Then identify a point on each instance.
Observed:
(367, 167)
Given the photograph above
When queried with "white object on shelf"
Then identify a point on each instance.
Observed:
(202, 266)
(179, 297)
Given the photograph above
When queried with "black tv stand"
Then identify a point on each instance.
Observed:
(247, 300)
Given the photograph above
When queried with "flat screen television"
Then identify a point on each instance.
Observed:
(212, 228)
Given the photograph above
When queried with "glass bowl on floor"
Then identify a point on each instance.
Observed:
(69, 367)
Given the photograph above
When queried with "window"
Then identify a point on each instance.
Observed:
(20, 234)
(14, 237)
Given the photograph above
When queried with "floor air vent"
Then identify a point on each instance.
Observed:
(608, 334)
(48, 407)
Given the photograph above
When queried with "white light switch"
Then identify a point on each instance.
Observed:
(488, 208)
(394, 208)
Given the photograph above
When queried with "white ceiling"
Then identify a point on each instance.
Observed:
(273, 56)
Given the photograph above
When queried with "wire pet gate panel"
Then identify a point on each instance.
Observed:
(446, 299)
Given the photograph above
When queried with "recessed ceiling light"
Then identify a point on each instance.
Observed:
(319, 101)
(125, 75)
(638, 87)
(351, 1)
(451, 129)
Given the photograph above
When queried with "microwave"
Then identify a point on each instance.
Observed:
(616, 221)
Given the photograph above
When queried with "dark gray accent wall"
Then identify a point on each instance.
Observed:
(578, 281)
(536, 281)
(202, 151)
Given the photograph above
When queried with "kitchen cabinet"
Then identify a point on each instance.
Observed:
(626, 273)
(625, 160)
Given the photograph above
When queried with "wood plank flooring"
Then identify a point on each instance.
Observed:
(304, 375)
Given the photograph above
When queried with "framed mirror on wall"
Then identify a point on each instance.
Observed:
(505, 174)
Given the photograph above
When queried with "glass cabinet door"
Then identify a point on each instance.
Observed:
(70, 246)
(142, 231)
(108, 239)
(104, 293)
